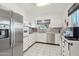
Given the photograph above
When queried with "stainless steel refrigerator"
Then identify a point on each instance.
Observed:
(11, 33)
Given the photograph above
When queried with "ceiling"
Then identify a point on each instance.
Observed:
(54, 8)
(27, 6)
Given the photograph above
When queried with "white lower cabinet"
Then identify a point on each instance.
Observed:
(28, 41)
(31, 39)
(25, 43)
(41, 37)
(57, 38)
(74, 49)
(70, 47)
(65, 48)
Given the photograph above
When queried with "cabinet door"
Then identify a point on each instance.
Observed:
(57, 39)
(31, 39)
(74, 49)
(62, 46)
(25, 43)
(66, 49)
(41, 37)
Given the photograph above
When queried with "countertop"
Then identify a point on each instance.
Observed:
(70, 39)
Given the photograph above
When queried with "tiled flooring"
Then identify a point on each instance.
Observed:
(43, 50)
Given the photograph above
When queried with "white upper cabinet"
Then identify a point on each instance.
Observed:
(56, 22)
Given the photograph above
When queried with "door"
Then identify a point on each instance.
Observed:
(18, 34)
(5, 31)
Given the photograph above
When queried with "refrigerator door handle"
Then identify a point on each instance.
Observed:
(12, 39)
(12, 32)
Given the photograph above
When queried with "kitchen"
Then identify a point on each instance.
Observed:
(42, 29)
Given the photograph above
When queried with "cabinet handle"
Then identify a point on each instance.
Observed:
(68, 46)
(71, 44)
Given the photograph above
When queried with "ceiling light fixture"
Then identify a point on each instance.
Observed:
(41, 4)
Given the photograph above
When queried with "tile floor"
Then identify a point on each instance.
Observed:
(43, 50)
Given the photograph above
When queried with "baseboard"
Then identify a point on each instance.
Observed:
(41, 43)
(29, 47)
(48, 43)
